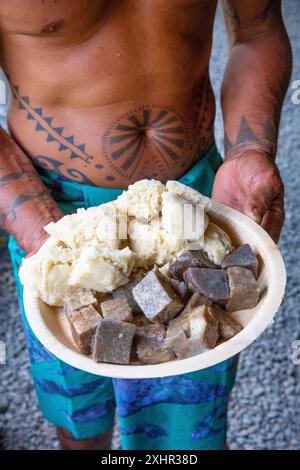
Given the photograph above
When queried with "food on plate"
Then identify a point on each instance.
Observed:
(242, 256)
(116, 309)
(83, 321)
(190, 259)
(112, 341)
(156, 298)
(147, 278)
(151, 345)
(211, 283)
(180, 288)
(126, 290)
(80, 298)
(244, 290)
(193, 332)
(217, 243)
(228, 327)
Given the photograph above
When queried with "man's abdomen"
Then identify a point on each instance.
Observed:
(115, 145)
(123, 99)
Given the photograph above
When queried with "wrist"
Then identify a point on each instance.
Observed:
(250, 152)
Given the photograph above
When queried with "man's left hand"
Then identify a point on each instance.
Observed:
(251, 183)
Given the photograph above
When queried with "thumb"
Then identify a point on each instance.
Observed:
(258, 200)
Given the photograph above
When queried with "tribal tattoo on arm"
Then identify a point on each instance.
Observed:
(247, 139)
(238, 19)
(25, 203)
(256, 77)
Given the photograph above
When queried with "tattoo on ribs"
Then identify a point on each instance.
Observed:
(52, 133)
(154, 129)
(204, 118)
(248, 139)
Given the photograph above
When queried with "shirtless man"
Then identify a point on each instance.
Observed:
(107, 92)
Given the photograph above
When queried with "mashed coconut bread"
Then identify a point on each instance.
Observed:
(99, 248)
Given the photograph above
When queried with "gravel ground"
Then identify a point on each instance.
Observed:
(264, 412)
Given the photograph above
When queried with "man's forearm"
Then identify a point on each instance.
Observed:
(254, 86)
(25, 203)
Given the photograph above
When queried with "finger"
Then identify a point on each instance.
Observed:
(264, 188)
(256, 207)
(258, 203)
(274, 219)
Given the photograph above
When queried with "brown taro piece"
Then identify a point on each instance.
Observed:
(83, 324)
(140, 320)
(113, 342)
(116, 309)
(150, 345)
(156, 298)
(190, 259)
(196, 300)
(244, 290)
(103, 296)
(126, 291)
(80, 298)
(151, 330)
(194, 333)
(228, 327)
(211, 283)
(180, 288)
(133, 354)
(243, 257)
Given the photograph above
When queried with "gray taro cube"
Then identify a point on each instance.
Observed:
(156, 298)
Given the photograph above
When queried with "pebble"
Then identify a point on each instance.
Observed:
(3, 404)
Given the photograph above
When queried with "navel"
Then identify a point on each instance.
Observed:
(53, 26)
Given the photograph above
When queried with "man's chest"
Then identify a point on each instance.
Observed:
(63, 18)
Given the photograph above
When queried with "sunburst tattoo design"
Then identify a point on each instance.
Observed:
(155, 131)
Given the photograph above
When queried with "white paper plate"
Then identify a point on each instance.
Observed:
(52, 329)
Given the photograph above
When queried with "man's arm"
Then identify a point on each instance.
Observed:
(255, 82)
(25, 203)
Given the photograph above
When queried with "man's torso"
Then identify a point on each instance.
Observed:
(107, 92)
